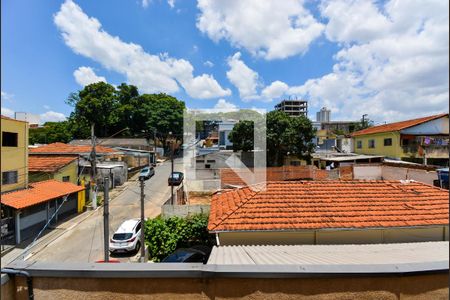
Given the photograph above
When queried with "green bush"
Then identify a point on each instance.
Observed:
(164, 236)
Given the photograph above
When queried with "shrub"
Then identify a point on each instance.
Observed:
(164, 236)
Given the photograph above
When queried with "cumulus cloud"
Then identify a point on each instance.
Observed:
(7, 112)
(242, 77)
(222, 104)
(151, 73)
(270, 29)
(85, 76)
(145, 3)
(393, 63)
(171, 3)
(6, 96)
(274, 90)
(52, 116)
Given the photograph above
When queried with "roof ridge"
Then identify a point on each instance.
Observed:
(242, 202)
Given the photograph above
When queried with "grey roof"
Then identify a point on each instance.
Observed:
(321, 255)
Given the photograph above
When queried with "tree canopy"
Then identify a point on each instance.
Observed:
(284, 136)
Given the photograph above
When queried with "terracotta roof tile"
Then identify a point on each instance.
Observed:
(293, 205)
(39, 192)
(52, 163)
(396, 126)
(61, 148)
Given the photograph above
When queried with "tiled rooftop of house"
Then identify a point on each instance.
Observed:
(61, 148)
(52, 163)
(297, 205)
(39, 192)
(397, 125)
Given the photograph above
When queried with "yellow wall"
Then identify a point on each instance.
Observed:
(393, 151)
(363, 236)
(15, 158)
(69, 170)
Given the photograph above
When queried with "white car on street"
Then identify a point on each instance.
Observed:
(127, 237)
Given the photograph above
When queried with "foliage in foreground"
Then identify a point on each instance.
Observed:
(164, 236)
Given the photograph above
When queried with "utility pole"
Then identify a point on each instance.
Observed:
(93, 189)
(363, 120)
(171, 162)
(142, 221)
(106, 219)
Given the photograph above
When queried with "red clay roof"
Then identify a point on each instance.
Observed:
(297, 205)
(39, 192)
(61, 148)
(397, 126)
(52, 163)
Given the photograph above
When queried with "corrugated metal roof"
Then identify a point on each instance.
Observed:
(369, 254)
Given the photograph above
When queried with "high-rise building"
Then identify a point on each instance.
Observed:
(324, 115)
(293, 107)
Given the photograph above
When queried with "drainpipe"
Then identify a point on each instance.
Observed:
(217, 239)
(17, 221)
(22, 273)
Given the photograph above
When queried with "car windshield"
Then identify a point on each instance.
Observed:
(122, 236)
(178, 256)
(175, 175)
(144, 170)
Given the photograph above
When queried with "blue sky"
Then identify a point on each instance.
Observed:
(386, 59)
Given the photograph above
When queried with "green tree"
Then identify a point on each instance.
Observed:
(363, 124)
(96, 104)
(51, 132)
(242, 136)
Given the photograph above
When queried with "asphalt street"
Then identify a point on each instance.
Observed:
(84, 241)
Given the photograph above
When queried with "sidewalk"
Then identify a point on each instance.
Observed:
(56, 231)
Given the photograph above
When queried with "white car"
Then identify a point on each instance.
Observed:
(127, 238)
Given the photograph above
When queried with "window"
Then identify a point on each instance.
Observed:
(9, 177)
(138, 227)
(9, 139)
(66, 178)
(388, 142)
(207, 166)
(371, 143)
(359, 144)
(210, 161)
(405, 142)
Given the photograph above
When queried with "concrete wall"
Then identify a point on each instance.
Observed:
(393, 151)
(396, 173)
(168, 211)
(367, 172)
(416, 286)
(369, 236)
(15, 158)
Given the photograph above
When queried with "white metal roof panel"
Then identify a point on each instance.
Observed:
(369, 254)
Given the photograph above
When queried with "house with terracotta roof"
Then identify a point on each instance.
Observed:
(423, 140)
(31, 208)
(330, 212)
(59, 167)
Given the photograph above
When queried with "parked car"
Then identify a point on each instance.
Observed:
(146, 173)
(176, 178)
(189, 255)
(127, 237)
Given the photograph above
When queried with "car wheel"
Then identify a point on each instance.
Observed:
(138, 246)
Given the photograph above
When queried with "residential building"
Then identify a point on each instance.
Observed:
(61, 168)
(225, 127)
(14, 154)
(423, 140)
(323, 115)
(330, 212)
(106, 153)
(131, 143)
(30, 209)
(293, 107)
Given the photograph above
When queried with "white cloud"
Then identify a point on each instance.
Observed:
(242, 77)
(46, 107)
(145, 3)
(393, 63)
(52, 116)
(222, 104)
(270, 29)
(274, 90)
(6, 96)
(171, 3)
(151, 73)
(85, 76)
(208, 63)
(7, 112)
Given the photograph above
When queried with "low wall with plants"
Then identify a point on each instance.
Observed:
(164, 235)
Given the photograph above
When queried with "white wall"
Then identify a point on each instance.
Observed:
(396, 173)
(367, 172)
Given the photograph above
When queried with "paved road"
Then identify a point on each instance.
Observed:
(84, 242)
